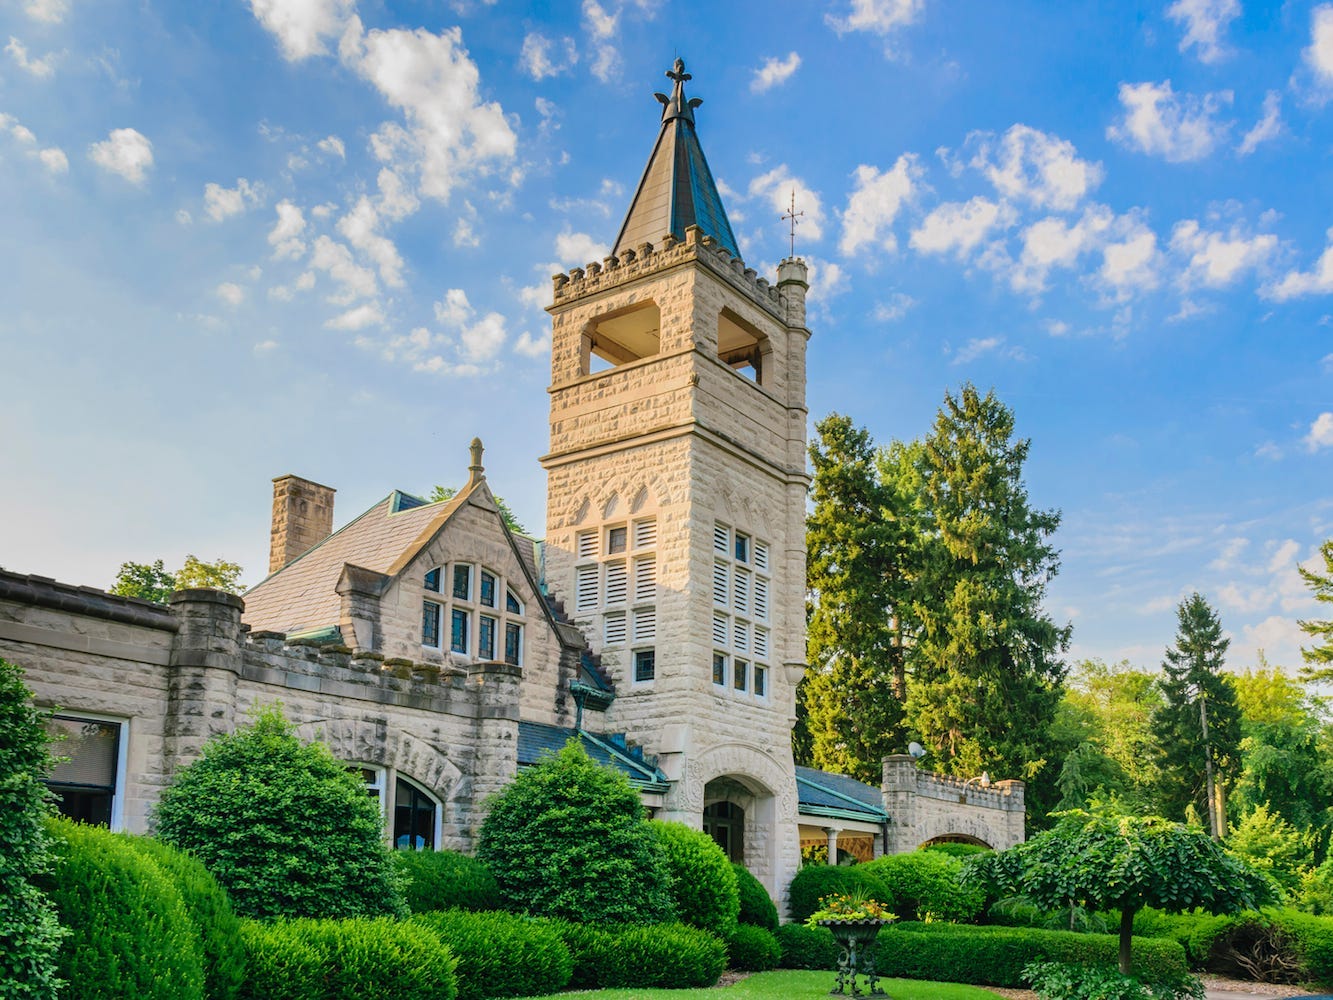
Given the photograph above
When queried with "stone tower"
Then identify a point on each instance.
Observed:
(676, 496)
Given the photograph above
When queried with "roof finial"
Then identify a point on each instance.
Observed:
(792, 215)
(676, 106)
(476, 473)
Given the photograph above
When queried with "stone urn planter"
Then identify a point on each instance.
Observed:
(856, 939)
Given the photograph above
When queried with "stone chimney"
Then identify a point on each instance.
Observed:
(302, 518)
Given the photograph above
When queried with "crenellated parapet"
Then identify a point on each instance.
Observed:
(924, 806)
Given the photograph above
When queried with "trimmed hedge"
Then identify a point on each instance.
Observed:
(634, 956)
(753, 949)
(757, 906)
(502, 955)
(956, 850)
(806, 947)
(1314, 936)
(129, 932)
(703, 885)
(1198, 933)
(927, 882)
(354, 959)
(445, 880)
(995, 956)
(207, 905)
(816, 881)
(586, 944)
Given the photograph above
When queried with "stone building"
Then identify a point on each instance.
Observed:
(660, 622)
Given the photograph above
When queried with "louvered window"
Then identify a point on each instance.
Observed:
(761, 556)
(645, 624)
(587, 544)
(761, 598)
(721, 581)
(645, 580)
(615, 628)
(722, 539)
(740, 636)
(740, 596)
(617, 583)
(585, 588)
(645, 533)
(720, 630)
(761, 643)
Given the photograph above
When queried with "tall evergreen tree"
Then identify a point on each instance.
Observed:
(1197, 698)
(1319, 657)
(987, 671)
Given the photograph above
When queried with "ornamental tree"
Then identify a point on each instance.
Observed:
(1111, 862)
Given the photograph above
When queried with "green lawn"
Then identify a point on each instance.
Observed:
(794, 986)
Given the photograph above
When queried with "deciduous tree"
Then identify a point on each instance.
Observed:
(151, 581)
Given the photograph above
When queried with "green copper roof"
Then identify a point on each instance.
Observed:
(677, 189)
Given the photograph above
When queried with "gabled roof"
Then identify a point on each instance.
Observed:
(677, 189)
(536, 738)
(823, 793)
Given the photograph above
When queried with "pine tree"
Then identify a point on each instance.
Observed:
(987, 674)
(1319, 657)
(1197, 699)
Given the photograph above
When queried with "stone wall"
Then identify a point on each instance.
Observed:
(923, 807)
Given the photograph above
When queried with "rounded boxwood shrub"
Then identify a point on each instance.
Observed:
(502, 955)
(757, 907)
(927, 882)
(445, 880)
(30, 936)
(567, 838)
(352, 959)
(807, 947)
(816, 881)
(664, 956)
(129, 932)
(586, 944)
(703, 884)
(214, 920)
(284, 826)
(753, 949)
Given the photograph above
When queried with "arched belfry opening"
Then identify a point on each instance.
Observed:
(742, 347)
(620, 337)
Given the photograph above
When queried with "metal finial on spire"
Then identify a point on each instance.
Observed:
(792, 216)
(676, 106)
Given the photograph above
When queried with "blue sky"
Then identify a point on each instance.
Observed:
(315, 236)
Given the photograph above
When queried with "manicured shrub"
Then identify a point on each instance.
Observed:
(445, 880)
(1056, 981)
(129, 932)
(703, 885)
(1198, 933)
(753, 949)
(567, 838)
(757, 906)
(665, 956)
(502, 955)
(806, 947)
(29, 934)
(285, 827)
(586, 944)
(815, 881)
(995, 956)
(353, 959)
(206, 904)
(956, 850)
(927, 882)
(1314, 942)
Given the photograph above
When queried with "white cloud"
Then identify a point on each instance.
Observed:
(1132, 263)
(601, 26)
(126, 152)
(357, 318)
(40, 68)
(542, 57)
(533, 347)
(284, 237)
(184, 217)
(1215, 259)
(222, 203)
(1230, 551)
(874, 204)
(354, 281)
(1178, 127)
(416, 349)
(1204, 21)
(1317, 281)
(776, 187)
(880, 17)
(302, 27)
(895, 309)
(54, 159)
(1319, 56)
(1279, 637)
(1321, 432)
(265, 347)
(49, 11)
(230, 293)
(1053, 242)
(1284, 557)
(1266, 128)
(1244, 599)
(826, 279)
(481, 339)
(1029, 165)
(577, 249)
(960, 226)
(333, 146)
(773, 72)
(360, 227)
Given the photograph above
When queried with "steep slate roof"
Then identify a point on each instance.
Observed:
(822, 793)
(677, 189)
(535, 739)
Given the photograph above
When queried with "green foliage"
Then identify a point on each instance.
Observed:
(665, 956)
(130, 934)
(151, 582)
(30, 935)
(284, 827)
(1192, 682)
(806, 947)
(703, 886)
(439, 493)
(586, 944)
(753, 949)
(815, 881)
(927, 882)
(1319, 656)
(1019, 911)
(952, 850)
(1313, 938)
(757, 907)
(209, 910)
(1316, 894)
(443, 880)
(1124, 863)
(502, 955)
(1197, 932)
(353, 959)
(1273, 846)
(1060, 981)
(567, 838)
(995, 956)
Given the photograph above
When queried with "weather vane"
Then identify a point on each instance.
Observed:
(792, 216)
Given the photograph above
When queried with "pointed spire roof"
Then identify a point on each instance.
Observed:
(677, 189)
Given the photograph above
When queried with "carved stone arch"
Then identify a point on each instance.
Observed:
(640, 500)
(581, 511)
(759, 771)
(611, 506)
(376, 742)
(973, 827)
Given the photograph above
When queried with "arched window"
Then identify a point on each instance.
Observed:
(413, 816)
(621, 337)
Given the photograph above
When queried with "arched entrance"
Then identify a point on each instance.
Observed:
(725, 823)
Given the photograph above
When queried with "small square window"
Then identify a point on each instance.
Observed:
(645, 665)
(433, 580)
(458, 631)
(463, 582)
(487, 589)
(615, 540)
(486, 638)
(88, 777)
(760, 681)
(430, 624)
(720, 669)
(740, 678)
(742, 547)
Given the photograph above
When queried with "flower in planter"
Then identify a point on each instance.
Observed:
(849, 906)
